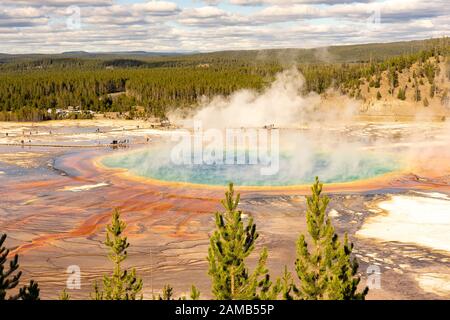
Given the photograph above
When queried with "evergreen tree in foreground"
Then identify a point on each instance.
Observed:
(231, 243)
(64, 295)
(326, 270)
(195, 293)
(123, 284)
(9, 278)
(168, 294)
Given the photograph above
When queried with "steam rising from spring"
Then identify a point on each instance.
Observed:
(281, 104)
(319, 135)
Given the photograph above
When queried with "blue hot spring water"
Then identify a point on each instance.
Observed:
(294, 168)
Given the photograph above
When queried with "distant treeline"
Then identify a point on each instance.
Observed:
(156, 89)
(30, 88)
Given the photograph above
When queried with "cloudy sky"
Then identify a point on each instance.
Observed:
(52, 26)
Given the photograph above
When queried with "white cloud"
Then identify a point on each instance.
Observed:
(58, 3)
(156, 7)
(205, 12)
(106, 25)
(290, 2)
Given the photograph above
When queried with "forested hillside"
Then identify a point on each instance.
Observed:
(33, 87)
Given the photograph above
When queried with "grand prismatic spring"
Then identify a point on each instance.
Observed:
(234, 152)
(388, 183)
(155, 163)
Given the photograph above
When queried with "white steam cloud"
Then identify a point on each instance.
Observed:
(281, 104)
(320, 134)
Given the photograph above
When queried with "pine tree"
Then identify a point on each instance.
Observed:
(123, 284)
(10, 278)
(378, 95)
(30, 292)
(64, 295)
(327, 270)
(417, 94)
(393, 79)
(432, 90)
(231, 243)
(401, 94)
(287, 285)
(195, 293)
(378, 82)
(168, 294)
